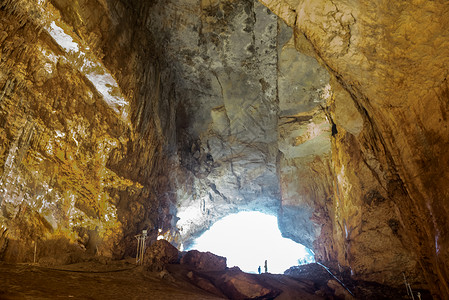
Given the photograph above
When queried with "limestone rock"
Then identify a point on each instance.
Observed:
(69, 152)
(399, 144)
(204, 283)
(203, 261)
(227, 148)
(340, 291)
(159, 254)
(239, 285)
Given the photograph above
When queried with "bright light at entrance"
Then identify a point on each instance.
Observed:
(247, 239)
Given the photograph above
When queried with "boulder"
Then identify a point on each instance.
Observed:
(204, 283)
(239, 285)
(159, 254)
(204, 261)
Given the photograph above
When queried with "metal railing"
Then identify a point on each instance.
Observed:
(140, 247)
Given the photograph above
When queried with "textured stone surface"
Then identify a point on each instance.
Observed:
(204, 283)
(204, 261)
(227, 89)
(79, 155)
(391, 59)
(303, 140)
(94, 281)
(211, 115)
(239, 285)
(248, 117)
(159, 254)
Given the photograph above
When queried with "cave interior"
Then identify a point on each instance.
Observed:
(123, 118)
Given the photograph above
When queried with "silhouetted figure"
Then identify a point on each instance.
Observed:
(266, 266)
(258, 269)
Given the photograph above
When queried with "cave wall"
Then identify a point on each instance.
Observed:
(226, 113)
(391, 59)
(236, 78)
(199, 103)
(303, 141)
(84, 129)
(250, 118)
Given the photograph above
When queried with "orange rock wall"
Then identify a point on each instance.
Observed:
(392, 58)
(74, 166)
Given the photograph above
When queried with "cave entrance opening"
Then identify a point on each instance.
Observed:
(247, 239)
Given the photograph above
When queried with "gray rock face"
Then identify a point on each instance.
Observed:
(238, 93)
(227, 153)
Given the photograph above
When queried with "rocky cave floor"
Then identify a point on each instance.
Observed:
(106, 279)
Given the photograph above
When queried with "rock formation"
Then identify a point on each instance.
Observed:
(204, 261)
(159, 254)
(118, 116)
(389, 198)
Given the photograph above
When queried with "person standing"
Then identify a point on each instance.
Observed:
(266, 266)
